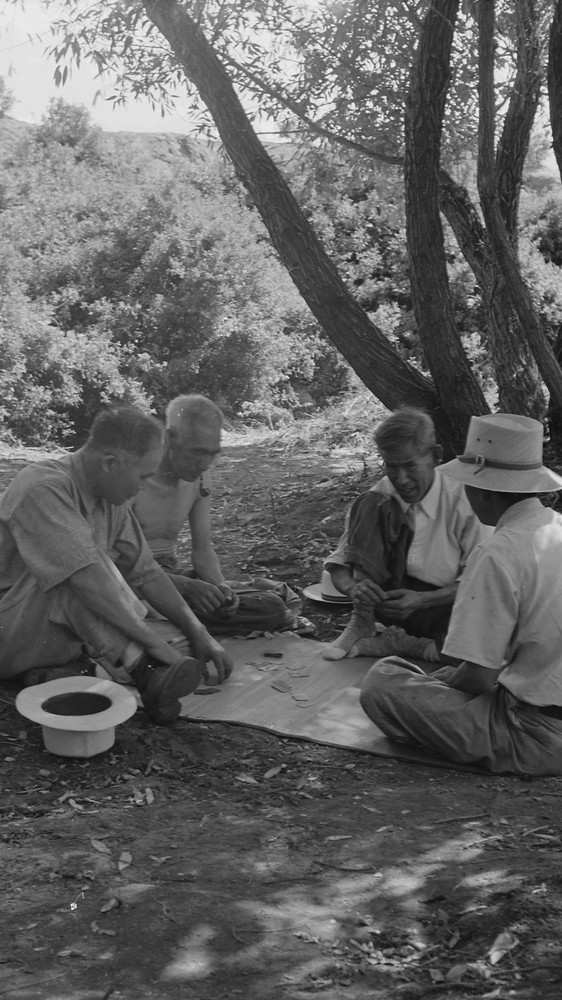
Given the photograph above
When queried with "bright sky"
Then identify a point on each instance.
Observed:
(29, 75)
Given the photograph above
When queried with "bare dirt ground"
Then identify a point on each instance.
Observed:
(202, 862)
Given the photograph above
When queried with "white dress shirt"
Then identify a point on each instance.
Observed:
(445, 527)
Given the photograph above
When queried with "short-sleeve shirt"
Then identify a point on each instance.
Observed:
(51, 526)
(445, 527)
(508, 610)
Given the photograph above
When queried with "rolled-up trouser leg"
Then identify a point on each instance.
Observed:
(105, 643)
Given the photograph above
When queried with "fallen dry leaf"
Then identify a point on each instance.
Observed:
(101, 930)
(110, 905)
(456, 973)
(99, 846)
(502, 944)
(273, 771)
(124, 860)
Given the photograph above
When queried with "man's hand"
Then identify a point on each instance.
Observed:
(367, 594)
(231, 599)
(203, 598)
(400, 604)
(206, 648)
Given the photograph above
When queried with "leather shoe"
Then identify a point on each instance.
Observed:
(161, 687)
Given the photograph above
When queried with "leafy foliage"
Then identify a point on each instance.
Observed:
(52, 383)
(69, 125)
(545, 229)
(119, 283)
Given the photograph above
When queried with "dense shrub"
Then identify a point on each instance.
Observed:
(545, 230)
(174, 272)
(53, 382)
(69, 125)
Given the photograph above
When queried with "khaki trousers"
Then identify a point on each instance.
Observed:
(493, 729)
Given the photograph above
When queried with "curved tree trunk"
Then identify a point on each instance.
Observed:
(433, 309)
(506, 262)
(555, 102)
(555, 83)
(513, 145)
(366, 348)
(517, 375)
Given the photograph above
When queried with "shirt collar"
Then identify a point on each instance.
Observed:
(428, 503)
(520, 511)
(79, 474)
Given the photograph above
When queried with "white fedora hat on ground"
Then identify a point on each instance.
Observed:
(503, 453)
(78, 714)
(325, 592)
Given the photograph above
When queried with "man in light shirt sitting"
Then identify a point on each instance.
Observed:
(405, 544)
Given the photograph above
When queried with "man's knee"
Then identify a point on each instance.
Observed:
(261, 611)
(373, 687)
(385, 683)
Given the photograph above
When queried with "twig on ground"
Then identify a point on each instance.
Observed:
(458, 819)
(29, 985)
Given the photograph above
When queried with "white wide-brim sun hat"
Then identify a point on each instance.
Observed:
(503, 454)
(78, 714)
(325, 592)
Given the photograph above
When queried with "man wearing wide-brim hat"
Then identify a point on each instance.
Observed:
(502, 706)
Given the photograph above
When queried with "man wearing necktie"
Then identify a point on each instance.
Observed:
(405, 545)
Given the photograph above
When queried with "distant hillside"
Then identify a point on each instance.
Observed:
(147, 152)
(157, 147)
(143, 147)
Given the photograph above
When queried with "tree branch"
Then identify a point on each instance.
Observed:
(504, 253)
(366, 348)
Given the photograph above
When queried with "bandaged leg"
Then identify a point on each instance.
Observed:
(360, 627)
(396, 641)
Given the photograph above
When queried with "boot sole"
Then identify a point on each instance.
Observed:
(175, 682)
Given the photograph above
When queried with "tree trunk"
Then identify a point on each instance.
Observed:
(555, 102)
(513, 145)
(555, 83)
(517, 376)
(506, 262)
(433, 310)
(366, 348)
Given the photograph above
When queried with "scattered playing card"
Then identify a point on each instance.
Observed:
(281, 685)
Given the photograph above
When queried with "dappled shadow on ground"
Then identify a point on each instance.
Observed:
(202, 862)
(213, 861)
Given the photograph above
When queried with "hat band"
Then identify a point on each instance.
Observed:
(490, 463)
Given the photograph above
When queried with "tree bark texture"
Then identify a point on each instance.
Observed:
(555, 102)
(517, 375)
(506, 262)
(555, 83)
(433, 309)
(513, 145)
(391, 379)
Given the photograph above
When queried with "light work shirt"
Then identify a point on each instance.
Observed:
(508, 609)
(446, 530)
(51, 526)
